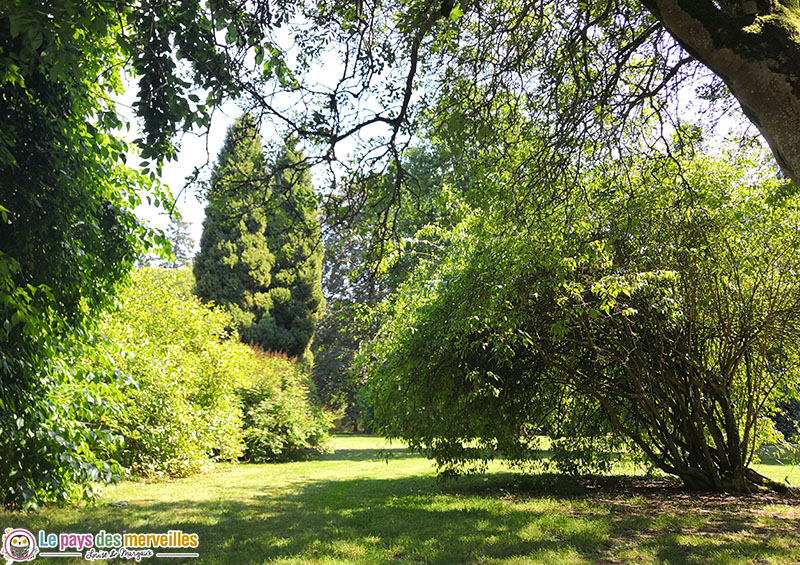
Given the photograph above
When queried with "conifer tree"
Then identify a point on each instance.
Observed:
(260, 252)
(293, 236)
(182, 243)
(233, 268)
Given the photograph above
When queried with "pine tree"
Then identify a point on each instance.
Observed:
(233, 268)
(260, 252)
(182, 243)
(293, 235)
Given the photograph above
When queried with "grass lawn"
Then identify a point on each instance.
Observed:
(355, 507)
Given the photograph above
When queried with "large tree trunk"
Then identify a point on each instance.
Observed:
(754, 47)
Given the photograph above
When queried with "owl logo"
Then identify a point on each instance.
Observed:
(19, 545)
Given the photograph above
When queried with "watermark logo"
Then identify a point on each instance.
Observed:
(21, 545)
(18, 545)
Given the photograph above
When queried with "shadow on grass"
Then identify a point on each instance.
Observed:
(369, 454)
(480, 519)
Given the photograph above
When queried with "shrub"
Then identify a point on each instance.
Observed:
(667, 305)
(179, 410)
(57, 451)
(281, 421)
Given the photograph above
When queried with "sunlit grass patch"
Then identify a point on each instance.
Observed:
(354, 506)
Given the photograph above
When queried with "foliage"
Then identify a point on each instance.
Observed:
(662, 310)
(53, 449)
(260, 253)
(293, 234)
(787, 417)
(184, 281)
(281, 421)
(583, 75)
(574, 72)
(234, 266)
(361, 267)
(177, 412)
(337, 339)
(181, 243)
(178, 252)
(68, 237)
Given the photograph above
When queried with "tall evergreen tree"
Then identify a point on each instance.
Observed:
(293, 235)
(260, 252)
(182, 243)
(233, 267)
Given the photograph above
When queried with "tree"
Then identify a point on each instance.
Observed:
(569, 69)
(337, 339)
(753, 47)
(181, 242)
(260, 253)
(68, 236)
(293, 233)
(661, 308)
(357, 274)
(553, 91)
(585, 72)
(234, 265)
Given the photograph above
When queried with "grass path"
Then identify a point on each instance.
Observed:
(354, 507)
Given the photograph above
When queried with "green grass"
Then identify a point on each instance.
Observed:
(355, 507)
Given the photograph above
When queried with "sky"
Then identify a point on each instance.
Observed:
(201, 148)
(196, 150)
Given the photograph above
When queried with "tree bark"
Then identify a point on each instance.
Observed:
(754, 47)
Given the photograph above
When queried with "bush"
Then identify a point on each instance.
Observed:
(179, 411)
(281, 421)
(56, 451)
(669, 314)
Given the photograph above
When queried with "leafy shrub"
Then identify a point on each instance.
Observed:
(281, 421)
(671, 310)
(54, 452)
(179, 410)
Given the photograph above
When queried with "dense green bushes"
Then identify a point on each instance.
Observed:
(179, 410)
(662, 306)
(280, 422)
(161, 388)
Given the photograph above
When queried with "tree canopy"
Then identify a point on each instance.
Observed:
(363, 264)
(588, 75)
(68, 235)
(234, 266)
(293, 232)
